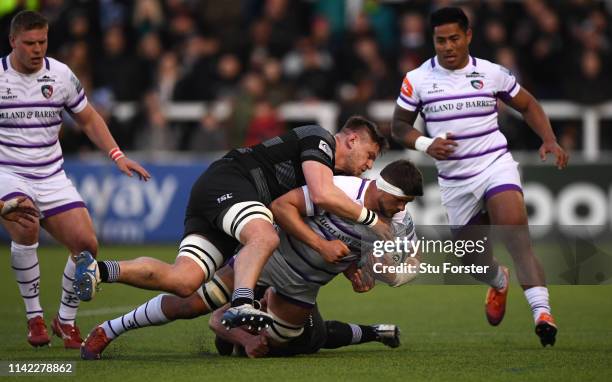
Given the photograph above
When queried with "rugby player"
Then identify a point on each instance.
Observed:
(35, 90)
(457, 96)
(297, 269)
(228, 207)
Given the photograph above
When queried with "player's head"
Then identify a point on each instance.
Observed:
(358, 144)
(451, 36)
(28, 38)
(399, 183)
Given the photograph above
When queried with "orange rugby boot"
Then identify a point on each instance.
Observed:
(37, 332)
(495, 304)
(70, 334)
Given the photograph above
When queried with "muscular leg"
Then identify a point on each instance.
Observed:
(74, 229)
(508, 209)
(24, 261)
(476, 230)
(260, 240)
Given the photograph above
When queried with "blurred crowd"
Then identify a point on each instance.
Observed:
(256, 54)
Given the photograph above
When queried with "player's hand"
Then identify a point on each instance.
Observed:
(383, 229)
(441, 148)
(126, 165)
(561, 157)
(256, 346)
(20, 210)
(333, 251)
(360, 283)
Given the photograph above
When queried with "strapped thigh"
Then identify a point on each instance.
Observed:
(237, 216)
(203, 252)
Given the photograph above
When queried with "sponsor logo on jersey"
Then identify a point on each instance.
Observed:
(435, 89)
(225, 197)
(77, 84)
(407, 88)
(477, 84)
(323, 146)
(47, 91)
(45, 78)
(8, 94)
(475, 74)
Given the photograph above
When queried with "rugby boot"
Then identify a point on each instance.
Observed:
(546, 329)
(86, 276)
(70, 334)
(37, 332)
(388, 334)
(495, 303)
(246, 315)
(94, 344)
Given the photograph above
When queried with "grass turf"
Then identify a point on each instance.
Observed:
(444, 335)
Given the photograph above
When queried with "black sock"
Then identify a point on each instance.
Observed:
(342, 334)
(103, 271)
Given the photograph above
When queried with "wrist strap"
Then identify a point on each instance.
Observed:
(116, 154)
(367, 217)
(422, 143)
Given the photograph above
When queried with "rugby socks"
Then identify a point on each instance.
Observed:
(109, 271)
(24, 262)
(147, 314)
(499, 282)
(342, 334)
(69, 304)
(537, 297)
(242, 296)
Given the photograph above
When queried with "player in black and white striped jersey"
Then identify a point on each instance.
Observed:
(228, 206)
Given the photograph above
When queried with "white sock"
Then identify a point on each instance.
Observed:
(147, 314)
(356, 334)
(24, 262)
(499, 282)
(69, 304)
(537, 297)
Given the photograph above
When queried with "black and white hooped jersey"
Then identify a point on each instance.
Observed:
(275, 165)
(462, 102)
(31, 108)
(308, 263)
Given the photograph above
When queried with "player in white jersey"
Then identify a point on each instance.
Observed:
(457, 96)
(299, 266)
(34, 90)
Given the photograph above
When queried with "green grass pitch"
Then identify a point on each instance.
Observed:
(445, 336)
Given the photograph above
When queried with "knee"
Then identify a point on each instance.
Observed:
(266, 243)
(26, 235)
(87, 242)
(185, 287)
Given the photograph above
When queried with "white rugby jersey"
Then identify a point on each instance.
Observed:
(30, 117)
(308, 263)
(462, 102)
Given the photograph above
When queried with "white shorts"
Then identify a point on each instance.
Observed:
(465, 203)
(52, 195)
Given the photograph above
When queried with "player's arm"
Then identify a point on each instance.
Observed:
(19, 210)
(534, 115)
(97, 131)
(255, 346)
(326, 195)
(403, 131)
(288, 211)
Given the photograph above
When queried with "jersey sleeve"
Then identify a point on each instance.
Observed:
(316, 144)
(350, 185)
(75, 95)
(408, 97)
(506, 84)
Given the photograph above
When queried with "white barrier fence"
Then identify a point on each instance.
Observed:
(326, 115)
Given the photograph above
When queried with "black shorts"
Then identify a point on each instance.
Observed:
(222, 185)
